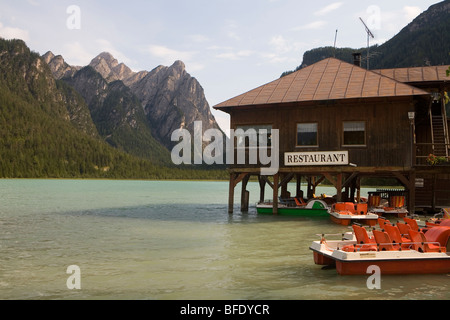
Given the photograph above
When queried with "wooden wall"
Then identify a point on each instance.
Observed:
(388, 131)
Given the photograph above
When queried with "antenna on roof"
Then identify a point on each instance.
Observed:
(335, 40)
(369, 35)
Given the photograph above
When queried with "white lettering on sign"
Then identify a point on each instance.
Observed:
(332, 158)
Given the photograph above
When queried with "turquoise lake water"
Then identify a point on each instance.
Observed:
(172, 240)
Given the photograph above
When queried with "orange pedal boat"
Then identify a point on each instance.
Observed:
(347, 213)
(427, 253)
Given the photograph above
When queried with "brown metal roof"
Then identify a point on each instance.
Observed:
(418, 74)
(329, 79)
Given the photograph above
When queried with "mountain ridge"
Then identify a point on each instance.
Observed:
(424, 41)
(45, 132)
(170, 97)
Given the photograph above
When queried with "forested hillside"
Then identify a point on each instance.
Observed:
(425, 41)
(46, 131)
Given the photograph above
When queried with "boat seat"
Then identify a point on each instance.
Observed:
(382, 222)
(300, 202)
(362, 237)
(397, 202)
(404, 229)
(349, 206)
(384, 242)
(412, 223)
(422, 244)
(361, 208)
(396, 237)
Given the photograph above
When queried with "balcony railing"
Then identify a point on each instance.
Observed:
(427, 154)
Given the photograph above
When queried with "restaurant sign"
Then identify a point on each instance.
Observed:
(332, 158)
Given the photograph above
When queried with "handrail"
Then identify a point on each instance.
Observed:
(430, 115)
(445, 122)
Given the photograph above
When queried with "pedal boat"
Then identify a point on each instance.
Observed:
(348, 213)
(419, 254)
(298, 208)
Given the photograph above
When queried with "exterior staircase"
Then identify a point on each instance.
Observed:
(439, 136)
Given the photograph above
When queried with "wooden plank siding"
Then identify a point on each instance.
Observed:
(388, 133)
(331, 92)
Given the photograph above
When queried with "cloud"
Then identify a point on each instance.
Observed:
(332, 7)
(311, 26)
(33, 3)
(76, 55)
(169, 55)
(198, 38)
(281, 48)
(14, 33)
(230, 29)
(235, 55)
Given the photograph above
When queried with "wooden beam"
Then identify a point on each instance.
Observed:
(350, 179)
(412, 193)
(239, 178)
(245, 195)
(287, 178)
(331, 179)
(339, 187)
(262, 188)
(404, 180)
(298, 188)
(231, 193)
(275, 193)
(266, 179)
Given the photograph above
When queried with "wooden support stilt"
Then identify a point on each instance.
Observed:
(231, 194)
(235, 179)
(245, 195)
(298, 189)
(410, 185)
(358, 190)
(262, 189)
(412, 193)
(339, 187)
(275, 194)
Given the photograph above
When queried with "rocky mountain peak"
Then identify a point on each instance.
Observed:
(105, 57)
(48, 57)
(169, 97)
(110, 69)
(179, 66)
(59, 68)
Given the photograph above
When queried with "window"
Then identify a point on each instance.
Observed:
(355, 133)
(307, 135)
(253, 136)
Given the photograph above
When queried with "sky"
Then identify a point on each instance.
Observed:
(229, 46)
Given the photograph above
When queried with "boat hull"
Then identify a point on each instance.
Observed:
(314, 208)
(297, 212)
(389, 262)
(347, 220)
(399, 213)
(425, 266)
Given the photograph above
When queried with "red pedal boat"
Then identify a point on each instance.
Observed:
(414, 253)
(347, 213)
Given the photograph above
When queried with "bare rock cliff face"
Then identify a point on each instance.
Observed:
(169, 97)
(172, 99)
(60, 69)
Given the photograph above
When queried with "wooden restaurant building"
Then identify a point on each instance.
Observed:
(386, 123)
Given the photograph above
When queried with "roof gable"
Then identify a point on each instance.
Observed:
(329, 79)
